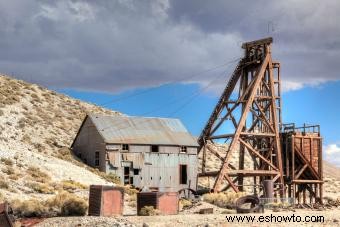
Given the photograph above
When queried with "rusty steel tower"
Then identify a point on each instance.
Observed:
(247, 119)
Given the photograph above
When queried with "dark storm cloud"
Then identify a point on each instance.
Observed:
(123, 44)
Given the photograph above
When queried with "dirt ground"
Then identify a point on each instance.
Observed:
(331, 218)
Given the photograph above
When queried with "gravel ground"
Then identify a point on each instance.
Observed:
(85, 222)
(332, 218)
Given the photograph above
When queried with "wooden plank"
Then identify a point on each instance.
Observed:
(257, 42)
(256, 153)
(307, 181)
(301, 171)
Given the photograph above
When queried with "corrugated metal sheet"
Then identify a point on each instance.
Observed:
(140, 130)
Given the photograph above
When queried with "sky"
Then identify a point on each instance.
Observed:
(175, 52)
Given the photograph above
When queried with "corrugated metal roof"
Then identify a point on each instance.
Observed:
(142, 130)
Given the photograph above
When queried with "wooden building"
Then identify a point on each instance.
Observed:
(158, 153)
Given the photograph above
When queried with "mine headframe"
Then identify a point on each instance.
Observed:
(247, 120)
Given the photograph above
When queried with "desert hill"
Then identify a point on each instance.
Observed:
(36, 128)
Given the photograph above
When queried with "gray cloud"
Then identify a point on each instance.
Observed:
(117, 45)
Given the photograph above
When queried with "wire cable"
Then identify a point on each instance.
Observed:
(172, 82)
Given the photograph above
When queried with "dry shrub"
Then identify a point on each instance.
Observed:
(132, 197)
(111, 177)
(64, 153)
(26, 139)
(15, 176)
(130, 191)
(41, 187)
(74, 206)
(4, 184)
(67, 204)
(64, 204)
(149, 211)
(133, 204)
(38, 175)
(1, 112)
(21, 123)
(184, 203)
(223, 199)
(70, 185)
(9, 170)
(29, 208)
(7, 161)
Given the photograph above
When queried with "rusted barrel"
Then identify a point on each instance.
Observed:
(268, 189)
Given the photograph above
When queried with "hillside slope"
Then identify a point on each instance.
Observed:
(37, 126)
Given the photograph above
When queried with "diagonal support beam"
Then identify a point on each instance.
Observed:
(257, 79)
(250, 148)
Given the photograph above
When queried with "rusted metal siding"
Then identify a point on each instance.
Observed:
(105, 200)
(88, 142)
(167, 203)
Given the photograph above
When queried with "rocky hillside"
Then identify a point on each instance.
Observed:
(36, 128)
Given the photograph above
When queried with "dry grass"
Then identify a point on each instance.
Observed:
(149, 211)
(222, 199)
(7, 161)
(9, 170)
(64, 153)
(38, 175)
(67, 204)
(29, 208)
(71, 186)
(130, 191)
(74, 206)
(41, 187)
(63, 204)
(113, 178)
(184, 203)
(4, 184)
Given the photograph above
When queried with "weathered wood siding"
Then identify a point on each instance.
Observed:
(156, 169)
(87, 143)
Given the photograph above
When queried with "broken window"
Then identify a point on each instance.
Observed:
(183, 174)
(96, 158)
(125, 147)
(183, 149)
(126, 175)
(135, 171)
(154, 148)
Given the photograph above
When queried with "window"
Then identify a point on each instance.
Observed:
(183, 149)
(183, 174)
(125, 147)
(126, 175)
(154, 148)
(96, 159)
(135, 171)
